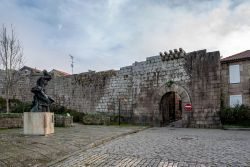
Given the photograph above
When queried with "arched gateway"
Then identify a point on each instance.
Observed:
(170, 102)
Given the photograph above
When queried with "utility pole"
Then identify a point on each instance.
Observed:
(72, 63)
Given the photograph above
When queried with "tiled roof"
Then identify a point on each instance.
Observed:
(31, 69)
(62, 73)
(239, 56)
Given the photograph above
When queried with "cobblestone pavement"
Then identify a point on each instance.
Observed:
(170, 148)
(17, 149)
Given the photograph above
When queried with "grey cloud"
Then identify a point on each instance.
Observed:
(114, 33)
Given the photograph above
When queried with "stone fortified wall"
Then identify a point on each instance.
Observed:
(194, 76)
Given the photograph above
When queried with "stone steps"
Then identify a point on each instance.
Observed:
(176, 124)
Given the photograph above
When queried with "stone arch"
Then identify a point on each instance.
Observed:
(181, 91)
(173, 88)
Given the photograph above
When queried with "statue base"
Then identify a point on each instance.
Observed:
(38, 123)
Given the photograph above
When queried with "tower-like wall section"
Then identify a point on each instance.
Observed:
(204, 71)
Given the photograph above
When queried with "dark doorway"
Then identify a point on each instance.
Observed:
(171, 108)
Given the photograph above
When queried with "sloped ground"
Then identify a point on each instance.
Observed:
(17, 149)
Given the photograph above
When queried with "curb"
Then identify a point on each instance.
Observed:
(95, 144)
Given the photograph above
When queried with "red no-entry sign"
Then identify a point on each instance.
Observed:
(188, 107)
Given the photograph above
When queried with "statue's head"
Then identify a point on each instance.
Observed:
(46, 75)
(43, 81)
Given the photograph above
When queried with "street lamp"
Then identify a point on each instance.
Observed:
(119, 114)
(124, 99)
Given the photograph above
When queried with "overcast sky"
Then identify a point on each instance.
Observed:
(109, 34)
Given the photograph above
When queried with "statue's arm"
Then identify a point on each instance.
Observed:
(38, 91)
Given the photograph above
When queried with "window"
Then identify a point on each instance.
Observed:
(234, 74)
(125, 76)
(235, 99)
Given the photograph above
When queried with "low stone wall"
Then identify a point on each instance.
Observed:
(15, 120)
(105, 119)
(96, 119)
(63, 121)
(11, 120)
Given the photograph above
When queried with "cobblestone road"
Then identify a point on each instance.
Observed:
(171, 148)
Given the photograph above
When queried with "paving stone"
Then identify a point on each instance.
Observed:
(165, 147)
(17, 149)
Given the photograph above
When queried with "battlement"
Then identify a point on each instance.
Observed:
(171, 55)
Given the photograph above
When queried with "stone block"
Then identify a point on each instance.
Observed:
(63, 121)
(38, 123)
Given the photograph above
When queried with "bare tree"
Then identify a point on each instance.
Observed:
(11, 57)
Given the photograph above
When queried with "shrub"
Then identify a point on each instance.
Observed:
(77, 116)
(2, 105)
(240, 114)
(16, 106)
(20, 107)
(115, 118)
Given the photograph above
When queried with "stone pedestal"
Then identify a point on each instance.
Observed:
(38, 123)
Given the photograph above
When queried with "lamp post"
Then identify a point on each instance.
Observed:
(123, 98)
(119, 114)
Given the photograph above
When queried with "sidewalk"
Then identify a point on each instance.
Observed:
(17, 149)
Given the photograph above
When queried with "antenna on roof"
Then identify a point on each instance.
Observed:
(72, 62)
